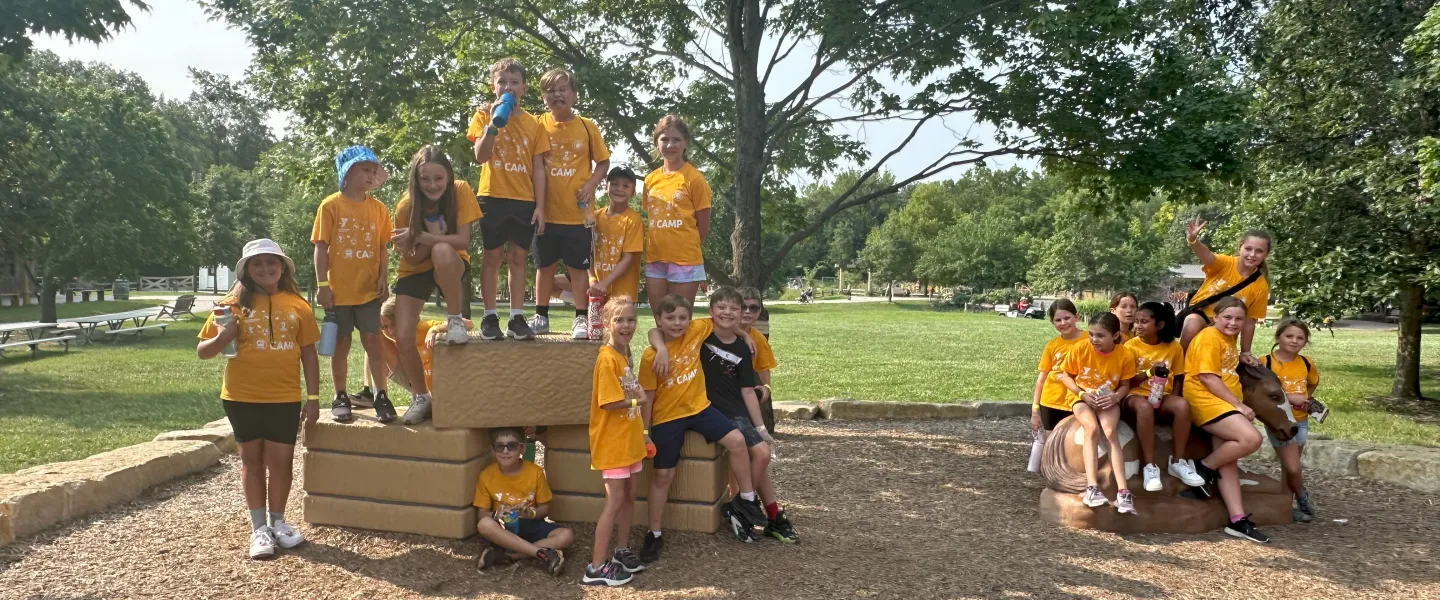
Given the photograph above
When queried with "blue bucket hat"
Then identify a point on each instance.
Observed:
(349, 157)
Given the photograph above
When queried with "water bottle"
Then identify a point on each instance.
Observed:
(774, 447)
(1037, 447)
(631, 385)
(587, 209)
(329, 330)
(223, 318)
(502, 112)
(596, 319)
(1159, 374)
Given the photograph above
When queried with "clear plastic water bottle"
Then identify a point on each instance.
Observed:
(587, 209)
(329, 331)
(774, 447)
(224, 316)
(502, 112)
(631, 385)
(1159, 374)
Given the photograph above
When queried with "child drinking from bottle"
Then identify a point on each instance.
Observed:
(1098, 377)
(1299, 376)
(274, 332)
(1156, 346)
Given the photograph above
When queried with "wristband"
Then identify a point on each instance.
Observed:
(312, 397)
(1190, 240)
(645, 431)
(634, 403)
(322, 284)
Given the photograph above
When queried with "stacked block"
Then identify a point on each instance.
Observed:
(409, 479)
(696, 495)
(504, 384)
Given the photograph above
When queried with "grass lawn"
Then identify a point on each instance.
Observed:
(103, 396)
(31, 312)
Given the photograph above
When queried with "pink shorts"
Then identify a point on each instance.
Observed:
(622, 472)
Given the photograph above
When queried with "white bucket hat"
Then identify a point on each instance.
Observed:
(255, 248)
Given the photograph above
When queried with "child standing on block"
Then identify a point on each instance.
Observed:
(619, 239)
(352, 271)
(574, 167)
(617, 447)
(513, 499)
(274, 332)
(512, 195)
(1299, 376)
(677, 200)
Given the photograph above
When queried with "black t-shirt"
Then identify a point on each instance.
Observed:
(728, 368)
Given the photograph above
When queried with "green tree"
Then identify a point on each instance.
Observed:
(233, 209)
(1134, 92)
(222, 123)
(89, 20)
(1121, 249)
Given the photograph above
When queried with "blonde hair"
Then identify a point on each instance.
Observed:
(387, 309)
(613, 309)
(668, 121)
(553, 77)
(507, 64)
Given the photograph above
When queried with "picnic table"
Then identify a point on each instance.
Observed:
(35, 333)
(114, 322)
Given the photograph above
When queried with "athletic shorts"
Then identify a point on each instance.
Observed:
(506, 220)
(622, 472)
(534, 530)
(1050, 417)
(670, 435)
(570, 243)
(422, 285)
(1221, 417)
(277, 422)
(674, 273)
(1302, 433)
(747, 429)
(365, 317)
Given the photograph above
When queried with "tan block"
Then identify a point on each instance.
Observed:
(577, 437)
(684, 516)
(368, 436)
(696, 480)
(797, 411)
(476, 384)
(439, 521)
(1415, 467)
(394, 479)
(222, 437)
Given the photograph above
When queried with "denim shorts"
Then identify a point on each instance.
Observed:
(1302, 431)
(674, 273)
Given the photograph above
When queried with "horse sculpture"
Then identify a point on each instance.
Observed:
(1166, 511)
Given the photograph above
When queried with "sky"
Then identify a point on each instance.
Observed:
(174, 35)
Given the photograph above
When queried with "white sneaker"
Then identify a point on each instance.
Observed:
(580, 330)
(455, 330)
(419, 410)
(1184, 470)
(539, 324)
(285, 535)
(1093, 498)
(1152, 479)
(262, 544)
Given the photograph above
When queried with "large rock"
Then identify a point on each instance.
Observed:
(222, 437)
(1413, 467)
(796, 411)
(39, 497)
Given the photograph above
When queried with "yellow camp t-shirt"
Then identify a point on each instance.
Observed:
(266, 367)
(1295, 378)
(1214, 353)
(616, 235)
(357, 233)
(682, 394)
(575, 146)
(1091, 368)
(507, 174)
(499, 493)
(764, 359)
(617, 437)
(1221, 275)
(467, 211)
(1053, 393)
(1147, 355)
(671, 200)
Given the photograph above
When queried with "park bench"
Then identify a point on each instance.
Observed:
(34, 344)
(135, 331)
(84, 288)
(35, 333)
(181, 306)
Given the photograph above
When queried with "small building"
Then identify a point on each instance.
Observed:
(15, 288)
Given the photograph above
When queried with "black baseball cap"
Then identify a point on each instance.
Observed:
(622, 171)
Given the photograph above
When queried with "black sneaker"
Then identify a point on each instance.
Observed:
(519, 329)
(610, 574)
(628, 560)
(492, 556)
(781, 529)
(650, 549)
(1304, 512)
(340, 408)
(739, 525)
(384, 410)
(551, 560)
(1211, 476)
(490, 328)
(363, 399)
(750, 509)
(1245, 529)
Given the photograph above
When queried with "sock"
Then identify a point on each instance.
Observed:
(490, 312)
(515, 312)
(772, 510)
(655, 533)
(582, 312)
(277, 518)
(543, 311)
(748, 496)
(1236, 518)
(257, 518)
(365, 390)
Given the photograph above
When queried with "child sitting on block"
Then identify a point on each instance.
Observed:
(427, 334)
(513, 500)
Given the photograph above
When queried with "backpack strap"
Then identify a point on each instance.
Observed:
(1267, 363)
(1307, 364)
(1244, 283)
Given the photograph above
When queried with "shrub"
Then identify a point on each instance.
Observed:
(1091, 307)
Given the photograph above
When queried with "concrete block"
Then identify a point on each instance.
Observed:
(439, 521)
(469, 394)
(367, 436)
(393, 479)
(696, 480)
(1414, 467)
(856, 410)
(1002, 410)
(683, 516)
(222, 437)
(797, 411)
(577, 438)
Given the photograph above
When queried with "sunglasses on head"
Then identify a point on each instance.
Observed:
(507, 447)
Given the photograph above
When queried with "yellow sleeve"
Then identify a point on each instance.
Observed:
(210, 329)
(467, 206)
(647, 373)
(1127, 363)
(477, 125)
(309, 329)
(1262, 295)
(634, 237)
(482, 495)
(1071, 365)
(700, 327)
(598, 150)
(1312, 376)
(542, 486)
(539, 141)
(607, 381)
(764, 355)
(1208, 357)
(401, 220)
(324, 228)
(1223, 263)
(699, 192)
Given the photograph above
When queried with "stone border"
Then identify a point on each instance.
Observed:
(865, 410)
(35, 499)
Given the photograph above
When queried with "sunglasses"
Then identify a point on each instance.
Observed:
(508, 447)
(749, 308)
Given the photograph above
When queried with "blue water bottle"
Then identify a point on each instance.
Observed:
(329, 330)
(502, 112)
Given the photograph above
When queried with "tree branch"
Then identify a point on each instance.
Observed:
(651, 52)
(776, 57)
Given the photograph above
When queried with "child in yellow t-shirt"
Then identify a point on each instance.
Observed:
(619, 239)
(617, 446)
(512, 195)
(1223, 272)
(425, 334)
(764, 360)
(352, 271)
(1123, 306)
(513, 499)
(1212, 387)
(1098, 377)
(1158, 355)
(274, 332)
(677, 202)
(577, 161)
(1299, 376)
(1051, 404)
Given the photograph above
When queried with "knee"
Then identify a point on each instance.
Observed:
(487, 527)
(1250, 441)
(662, 478)
(253, 460)
(563, 537)
(443, 254)
(733, 441)
(760, 456)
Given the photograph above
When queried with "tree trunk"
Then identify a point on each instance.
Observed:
(49, 287)
(1407, 352)
(745, 32)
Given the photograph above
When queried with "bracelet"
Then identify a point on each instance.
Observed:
(634, 403)
(312, 397)
(322, 284)
(1190, 240)
(645, 431)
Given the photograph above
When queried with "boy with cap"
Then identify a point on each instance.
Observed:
(352, 271)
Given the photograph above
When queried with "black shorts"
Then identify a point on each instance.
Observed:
(570, 243)
(506, 220)
(1050, 417)
(670, 435)
(747, 429)
(422, 285)
(277, 422)
(1219, 418)
(365, 317)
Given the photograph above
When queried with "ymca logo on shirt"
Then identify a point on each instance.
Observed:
(355, 241)
(258, 334)
(664, 213)
(508, 154)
